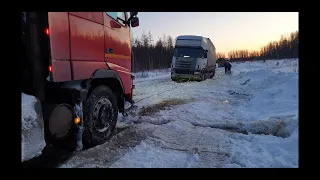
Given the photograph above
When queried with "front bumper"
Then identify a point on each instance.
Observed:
(194, 76)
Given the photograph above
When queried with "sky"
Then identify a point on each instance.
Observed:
(227, 30)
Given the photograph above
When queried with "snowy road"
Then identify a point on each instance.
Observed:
(246, 119)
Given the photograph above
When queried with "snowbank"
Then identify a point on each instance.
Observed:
(264, 151)
(151, 75)
(32, 128)
(281, 97)
(277, 126)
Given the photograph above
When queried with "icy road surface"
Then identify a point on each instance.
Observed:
(246, 119)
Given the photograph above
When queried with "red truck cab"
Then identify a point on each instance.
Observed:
(78, 64)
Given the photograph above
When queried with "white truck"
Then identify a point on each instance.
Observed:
(194, 58)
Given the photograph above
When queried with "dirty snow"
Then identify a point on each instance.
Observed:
(28, 114)
(246, 119)
(32, 129)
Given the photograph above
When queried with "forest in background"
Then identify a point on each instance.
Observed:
(150, 55)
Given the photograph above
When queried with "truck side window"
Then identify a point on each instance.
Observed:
(116, 15)
(122, 16)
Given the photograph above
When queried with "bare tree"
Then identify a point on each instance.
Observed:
(221, 55)
(149, 55)
(286, 47)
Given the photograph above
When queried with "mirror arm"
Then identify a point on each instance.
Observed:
(129, 19)
(123, 21)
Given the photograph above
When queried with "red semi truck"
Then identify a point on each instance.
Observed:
(78, 65)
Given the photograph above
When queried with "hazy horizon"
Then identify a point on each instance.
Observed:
(227, 30)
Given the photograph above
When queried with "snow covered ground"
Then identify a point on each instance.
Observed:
(32, 128)
(246, 119)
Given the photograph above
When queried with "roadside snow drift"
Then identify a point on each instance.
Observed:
(32, 128)
(245, 119)
(264, 151)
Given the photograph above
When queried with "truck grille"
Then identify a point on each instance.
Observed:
(185, 64)
(183, 71)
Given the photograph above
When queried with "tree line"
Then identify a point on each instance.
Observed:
(150, 55)
(286, 47)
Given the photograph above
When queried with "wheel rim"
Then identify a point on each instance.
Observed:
(103, 115)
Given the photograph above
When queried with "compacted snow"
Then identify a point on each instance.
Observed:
(246, 119)
(32, 129)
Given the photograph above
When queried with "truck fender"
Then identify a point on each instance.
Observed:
(107, 73)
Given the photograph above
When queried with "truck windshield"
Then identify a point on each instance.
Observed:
(188, 52)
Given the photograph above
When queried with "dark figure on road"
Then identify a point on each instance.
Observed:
(227, 67)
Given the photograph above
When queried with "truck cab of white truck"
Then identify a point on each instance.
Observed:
(194, 58)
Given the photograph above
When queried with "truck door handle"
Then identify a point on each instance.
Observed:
(109, 50)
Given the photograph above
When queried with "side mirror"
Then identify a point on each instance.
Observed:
(134, 22)
(133, 14)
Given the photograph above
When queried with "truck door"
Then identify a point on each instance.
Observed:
(117, 46)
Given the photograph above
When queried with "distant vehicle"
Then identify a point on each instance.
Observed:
(194, 58)
(222, 61)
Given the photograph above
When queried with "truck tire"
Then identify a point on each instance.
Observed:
(213, 73)
(203, 75)
(100, 116)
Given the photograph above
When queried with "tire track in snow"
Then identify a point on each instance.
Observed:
(104, 155)
(202, 144)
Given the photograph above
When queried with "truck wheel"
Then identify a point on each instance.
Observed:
(100, 116)
(213, 73)
(203, 75)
